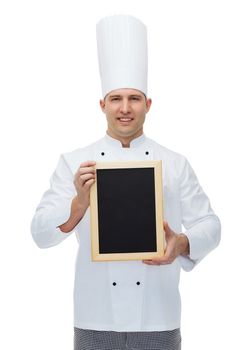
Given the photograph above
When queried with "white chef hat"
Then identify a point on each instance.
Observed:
(122, 53)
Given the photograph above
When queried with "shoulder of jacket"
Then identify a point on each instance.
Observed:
(170, 158)
(167, 153)
(79, 155)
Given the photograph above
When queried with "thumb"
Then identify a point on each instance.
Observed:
(168, 231)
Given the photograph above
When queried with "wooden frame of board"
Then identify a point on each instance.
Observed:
(126, 206)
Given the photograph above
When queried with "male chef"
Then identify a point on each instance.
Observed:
(126, 304)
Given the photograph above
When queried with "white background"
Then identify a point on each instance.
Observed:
(200, 83)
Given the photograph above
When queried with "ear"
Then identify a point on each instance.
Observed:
(148, 104)
(102, 105)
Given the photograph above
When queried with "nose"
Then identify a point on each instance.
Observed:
(125, 106)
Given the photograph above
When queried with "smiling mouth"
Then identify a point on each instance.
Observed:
(125, 119)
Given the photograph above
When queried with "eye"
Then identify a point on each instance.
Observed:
(115, 99)
(135, 98)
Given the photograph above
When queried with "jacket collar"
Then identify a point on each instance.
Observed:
(138, 141)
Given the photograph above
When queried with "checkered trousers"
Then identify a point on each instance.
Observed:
(85, 339)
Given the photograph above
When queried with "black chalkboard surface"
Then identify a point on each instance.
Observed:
(126, 211)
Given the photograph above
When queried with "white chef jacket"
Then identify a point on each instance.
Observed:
(128, 295)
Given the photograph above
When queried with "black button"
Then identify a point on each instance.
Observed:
(102, 153)
(147, 152)
(138, 283)
(114, 283)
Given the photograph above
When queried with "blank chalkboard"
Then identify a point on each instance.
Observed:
(126, 211)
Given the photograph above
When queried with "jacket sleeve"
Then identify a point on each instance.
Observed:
(54, 208)
(203, 227)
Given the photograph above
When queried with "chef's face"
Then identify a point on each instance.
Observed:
(125, 111)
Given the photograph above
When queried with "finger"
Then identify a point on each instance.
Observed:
(86, 170)
(157, 261)
(87, 163)
(154, 262)
(84, 178)
(84, 165)
(89, 183)
(150, 262)
(168, 232)
(81, 178)
(166, 259)
(166, 226)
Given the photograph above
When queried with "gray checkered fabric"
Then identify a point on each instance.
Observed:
(85, 339)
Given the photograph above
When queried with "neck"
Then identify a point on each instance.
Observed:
(125, 141)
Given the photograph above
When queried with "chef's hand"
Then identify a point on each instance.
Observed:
(83, 179)
(177, 244)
